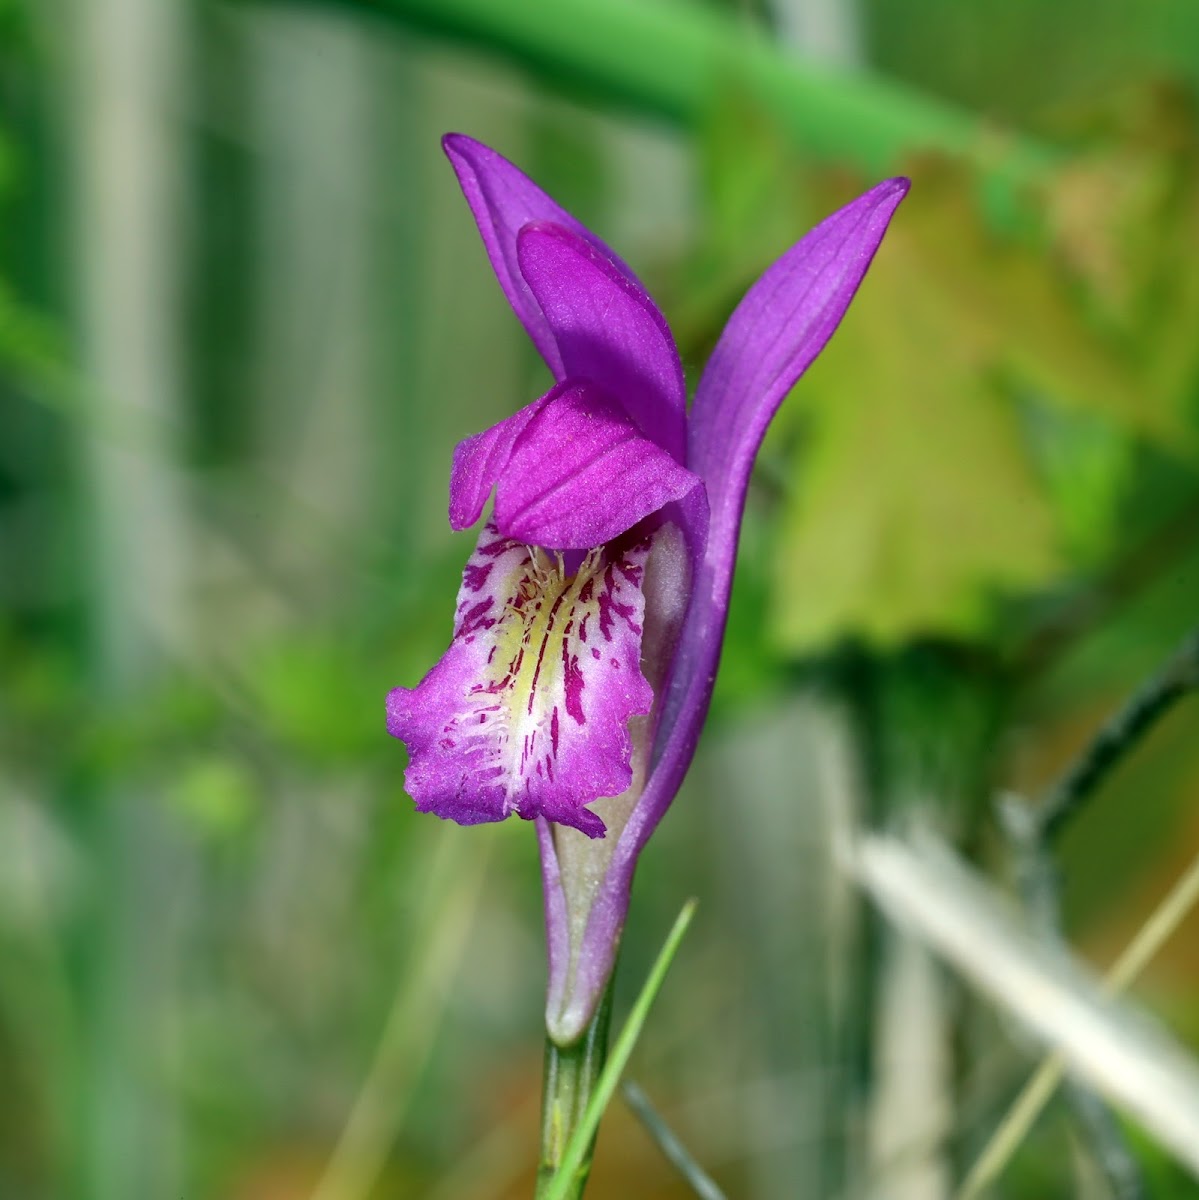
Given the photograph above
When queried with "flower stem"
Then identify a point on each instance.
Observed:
(570, 1076)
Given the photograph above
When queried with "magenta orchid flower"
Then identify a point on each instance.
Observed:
(591, 615)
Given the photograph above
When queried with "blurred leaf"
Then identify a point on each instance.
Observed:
(120, 738)
(314, 698)
(756, 197)
(1087, 465)
(669, 58)
(33, 350)
(753, 177)
(929, 492)
(216, 792)
(919, 501)
(1022, 312)
(1126, 218)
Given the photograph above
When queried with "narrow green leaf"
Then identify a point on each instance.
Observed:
(617, 1061)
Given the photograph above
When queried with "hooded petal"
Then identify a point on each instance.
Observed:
(528, 710)
(773, 336)
(571, 471)
(607, 329)
(479, 461)
(503, 199)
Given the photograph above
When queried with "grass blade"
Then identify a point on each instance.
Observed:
(451, 889)
(618, 1059)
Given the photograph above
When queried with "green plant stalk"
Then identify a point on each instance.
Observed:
(569, 1079)
(674, 60)
(571, 1177)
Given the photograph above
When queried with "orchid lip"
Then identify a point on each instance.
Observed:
(528, 711)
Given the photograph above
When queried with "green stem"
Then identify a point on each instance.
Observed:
(570, 1077)
(673, 59)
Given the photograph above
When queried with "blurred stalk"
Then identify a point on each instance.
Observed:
(450, 887)
(1031, 833)
(827, 31)
(315, 90)
(670, 58)
(127, 58)
(568, 1081)
(697, 1179)
(923, 885)
(925, 720)
(794, 930)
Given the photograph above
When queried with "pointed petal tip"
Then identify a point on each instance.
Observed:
(468, 157)
(455, 143)
(889, 193)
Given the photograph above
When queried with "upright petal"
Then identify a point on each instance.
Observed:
(528, 710)
(503, 199)
(773, 336)
(607, 329)
(571, 471)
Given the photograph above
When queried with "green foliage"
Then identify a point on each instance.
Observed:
(569, 1178)
(216, 792)
(311, 695)
(926, 493)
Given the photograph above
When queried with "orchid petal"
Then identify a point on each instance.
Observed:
(479, 460)
(503, 199)
(571, 472)
(773, 336)
(580, 474)
(528, 710)
(607, 329)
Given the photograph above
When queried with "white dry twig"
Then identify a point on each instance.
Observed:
(923, 886)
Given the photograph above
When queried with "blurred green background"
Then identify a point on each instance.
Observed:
(245, 316)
